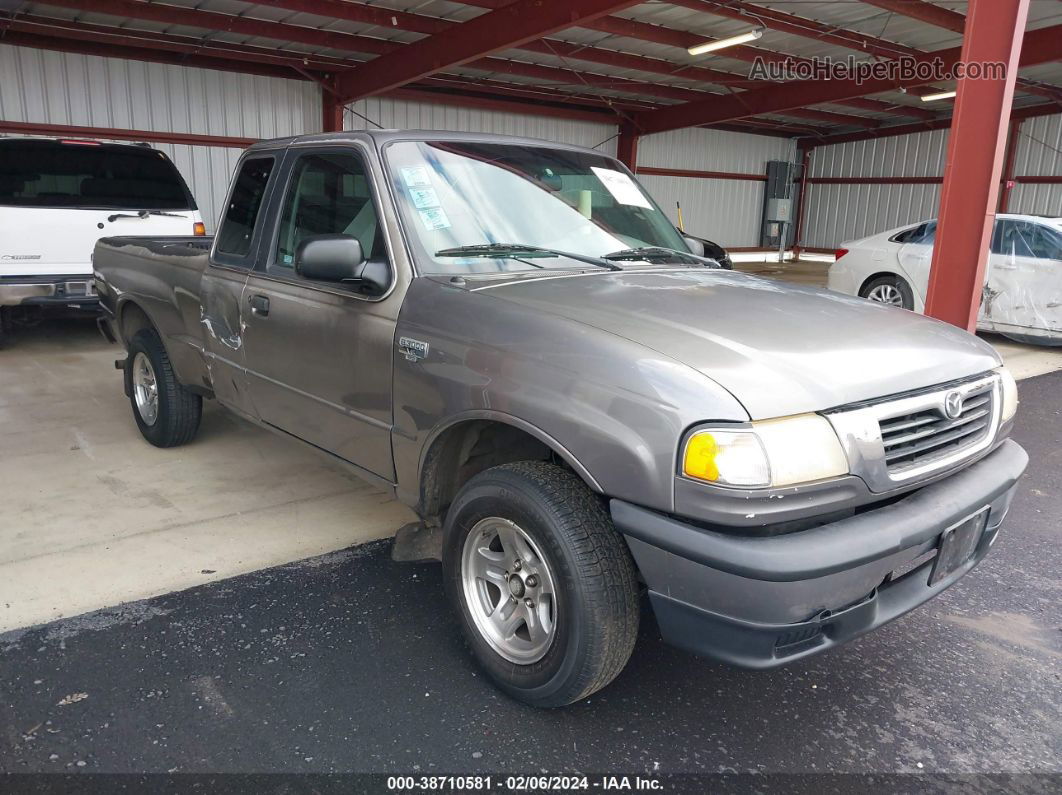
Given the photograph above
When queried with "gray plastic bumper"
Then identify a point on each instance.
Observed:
(759, 602)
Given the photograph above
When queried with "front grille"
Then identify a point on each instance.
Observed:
(914, 440)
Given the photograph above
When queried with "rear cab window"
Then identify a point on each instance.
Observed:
(235, 236)
(923, 234)
(89, 175)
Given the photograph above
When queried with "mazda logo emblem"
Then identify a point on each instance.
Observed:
(953, 405)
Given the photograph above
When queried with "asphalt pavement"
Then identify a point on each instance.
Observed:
(350, 662)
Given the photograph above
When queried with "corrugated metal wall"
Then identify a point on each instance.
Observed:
(66, 88)
(1039, 153)
(835, 213)
(403, 114)
(726, 211)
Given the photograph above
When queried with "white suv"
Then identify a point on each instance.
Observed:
(59, 196)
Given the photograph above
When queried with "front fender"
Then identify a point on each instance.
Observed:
(612, 408)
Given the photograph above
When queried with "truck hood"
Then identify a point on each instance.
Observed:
(779, 349)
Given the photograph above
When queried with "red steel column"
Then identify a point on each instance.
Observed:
(994, 31)
(331, 109)
(627, 145)
(1008, 164)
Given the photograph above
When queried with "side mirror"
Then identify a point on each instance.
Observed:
(339, 258)
(695, 246)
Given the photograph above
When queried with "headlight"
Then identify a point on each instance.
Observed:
(782, 452)
(1010, 394)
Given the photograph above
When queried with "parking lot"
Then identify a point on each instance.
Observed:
(346, 661)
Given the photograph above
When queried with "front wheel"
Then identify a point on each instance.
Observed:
(891, 290)
(544, 585)
(166, 413)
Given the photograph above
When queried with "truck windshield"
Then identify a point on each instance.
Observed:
(86, 174)
(454, 194)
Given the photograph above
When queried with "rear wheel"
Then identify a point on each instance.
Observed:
(891, 290)
(166, 413)
(543, 584)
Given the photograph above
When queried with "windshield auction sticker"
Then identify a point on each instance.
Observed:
(434, 218)
(416, 177)
(622, 187)
(423, 198)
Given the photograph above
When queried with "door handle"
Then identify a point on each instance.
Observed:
(259, 305)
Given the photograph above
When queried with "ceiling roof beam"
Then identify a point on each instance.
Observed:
(515, 24)
(1027, 112)
(643, 31)
(923, 12)
(1040, 46)
(127, 37)
(851, 39)
(92, 46)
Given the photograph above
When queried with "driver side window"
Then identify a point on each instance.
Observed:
(328, 194)
(1011, 238)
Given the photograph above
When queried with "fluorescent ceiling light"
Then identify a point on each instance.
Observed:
(718, 44)
(941, 95)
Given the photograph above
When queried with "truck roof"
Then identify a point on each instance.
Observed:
(381, 137)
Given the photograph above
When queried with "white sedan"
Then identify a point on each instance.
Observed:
(1022, 296)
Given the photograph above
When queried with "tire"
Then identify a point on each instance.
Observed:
(569, 548)
(177, 411)
(879, 288)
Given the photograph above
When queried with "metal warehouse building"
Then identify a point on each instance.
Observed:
(575, 439)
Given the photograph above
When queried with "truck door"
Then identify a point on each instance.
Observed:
(319, 354)
(221, 290)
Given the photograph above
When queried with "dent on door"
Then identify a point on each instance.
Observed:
(1023, 292)
(1023, 283)
(220, 315)
(223, 327)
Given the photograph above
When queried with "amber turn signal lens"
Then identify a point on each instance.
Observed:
(199, 229)
(700, 458)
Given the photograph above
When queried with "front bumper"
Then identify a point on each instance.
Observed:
(760, 602)
(77, 291)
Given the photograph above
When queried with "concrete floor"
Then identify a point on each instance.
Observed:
(94, 516)
(349, 662)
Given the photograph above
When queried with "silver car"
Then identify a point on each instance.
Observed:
(511, 337)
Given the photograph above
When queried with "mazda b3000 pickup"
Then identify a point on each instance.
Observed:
(512, 337)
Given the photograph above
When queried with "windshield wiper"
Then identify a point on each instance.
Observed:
(511, 249)
(142, 214)
(651, 253)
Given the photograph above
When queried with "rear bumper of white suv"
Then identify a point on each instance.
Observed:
(75, 291)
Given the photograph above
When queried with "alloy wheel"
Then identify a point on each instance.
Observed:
(509, 589)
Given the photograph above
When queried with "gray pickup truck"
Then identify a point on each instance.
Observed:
(512, 338)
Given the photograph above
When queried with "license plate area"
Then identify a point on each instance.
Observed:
(957, 545)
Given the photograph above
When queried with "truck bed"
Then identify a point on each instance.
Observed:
(162, 276)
